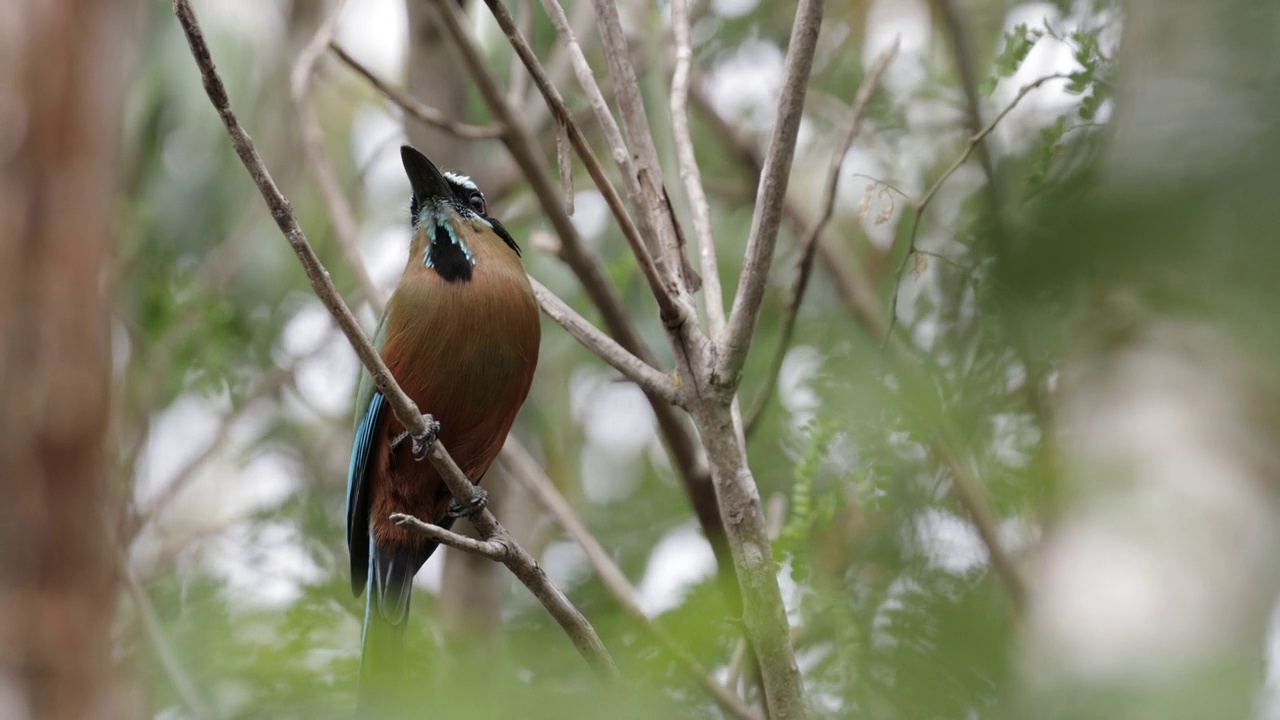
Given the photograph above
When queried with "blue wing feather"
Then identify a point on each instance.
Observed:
(358, 494)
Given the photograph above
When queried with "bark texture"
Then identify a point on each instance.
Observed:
(61, 95)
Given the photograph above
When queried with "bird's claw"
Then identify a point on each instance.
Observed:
(474, 507)
(422, 443)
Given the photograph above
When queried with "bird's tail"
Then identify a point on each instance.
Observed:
(382, 682)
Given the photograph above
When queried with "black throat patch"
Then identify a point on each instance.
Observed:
(448, 258)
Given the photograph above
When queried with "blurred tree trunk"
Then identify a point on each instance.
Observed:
(61, 98)
(434, 75)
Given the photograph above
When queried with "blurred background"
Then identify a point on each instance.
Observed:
(1065, 212)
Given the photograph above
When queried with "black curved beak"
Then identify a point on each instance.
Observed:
(424, 176)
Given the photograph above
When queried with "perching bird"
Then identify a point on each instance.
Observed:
(460, 334)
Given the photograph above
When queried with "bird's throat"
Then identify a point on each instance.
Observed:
(448, 254)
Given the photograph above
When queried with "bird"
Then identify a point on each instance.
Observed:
(460, 334)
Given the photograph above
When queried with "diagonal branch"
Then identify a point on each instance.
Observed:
(771, 194)
(560, 111)
(270, 383)
(500, 546)
(335, 201)
(282, 213)
(522, 465)
(810, 242)
(575, 625)
(559, 65)
(652, 381)
(966, 486)
(517, 76)
(608, 126)
(419, 110)
(962, 51)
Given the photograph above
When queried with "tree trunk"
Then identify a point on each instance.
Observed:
(61, 72)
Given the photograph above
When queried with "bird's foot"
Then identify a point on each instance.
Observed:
(468, 509)
(422, 443)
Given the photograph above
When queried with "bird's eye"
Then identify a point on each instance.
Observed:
(477, 202)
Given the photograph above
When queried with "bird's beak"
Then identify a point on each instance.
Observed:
(424, 176)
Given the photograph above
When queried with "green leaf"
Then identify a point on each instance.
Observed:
(1017, 45)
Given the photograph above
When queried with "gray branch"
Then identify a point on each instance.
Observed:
(770, 195)
(560, 111)
(713, 295)
(650, 380)
(809, 244)
(645, 168)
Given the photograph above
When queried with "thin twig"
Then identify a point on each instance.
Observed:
(771, 194)
(713, 296)
(652, 200)
(560, 113)
(282, 212)
(884, 183)
(641, 373)
(962, 50)
(575, 625)
(558, 66)
(973, 142)
(419, 110)
(609, 127)
(492, 549)
(851, 283)
(335, 201)
(809, 244)
(522, 465)
(160, 644)
(500, 546)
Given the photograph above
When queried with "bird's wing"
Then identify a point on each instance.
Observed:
(369, 407)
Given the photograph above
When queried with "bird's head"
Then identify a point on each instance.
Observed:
(450, 212)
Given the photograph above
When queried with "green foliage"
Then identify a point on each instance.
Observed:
(1018, 43)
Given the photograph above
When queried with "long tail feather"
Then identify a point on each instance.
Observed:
(382, 681)
(388, 587)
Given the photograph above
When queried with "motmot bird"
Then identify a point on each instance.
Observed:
(460, 335)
